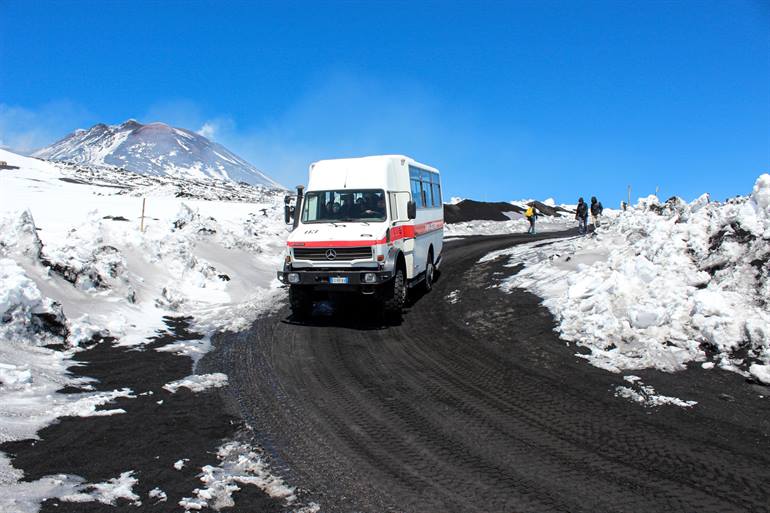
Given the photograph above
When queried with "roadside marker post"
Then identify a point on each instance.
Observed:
(141, 224)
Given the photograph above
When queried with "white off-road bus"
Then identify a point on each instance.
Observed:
(371, 225)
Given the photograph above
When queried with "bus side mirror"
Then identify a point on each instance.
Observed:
(288, 210)
(411, 210)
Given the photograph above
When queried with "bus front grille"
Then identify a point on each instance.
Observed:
(333, 254)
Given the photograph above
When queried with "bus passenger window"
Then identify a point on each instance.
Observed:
(416, 193)
(428, 194)
(436, 195)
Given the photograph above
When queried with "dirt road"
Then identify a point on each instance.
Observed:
(476, 405)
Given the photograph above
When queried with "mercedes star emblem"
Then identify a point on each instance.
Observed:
(331, 254)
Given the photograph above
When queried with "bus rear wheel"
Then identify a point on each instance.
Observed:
(430, 271)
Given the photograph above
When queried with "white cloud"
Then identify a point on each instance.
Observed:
(214, 127)
(24, 129)
(208, 130)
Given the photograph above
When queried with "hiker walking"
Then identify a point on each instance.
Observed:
(531, 215)
(581, 214)
(596, 211)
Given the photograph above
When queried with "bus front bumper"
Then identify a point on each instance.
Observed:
(333, 277)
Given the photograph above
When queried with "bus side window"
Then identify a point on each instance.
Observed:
(417, 193)
(433, 200)
(394, 212)
(436, 194)
(424, 184)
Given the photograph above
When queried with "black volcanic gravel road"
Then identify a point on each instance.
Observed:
(478, 406)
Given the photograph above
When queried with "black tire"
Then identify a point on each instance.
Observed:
(395, 296)
(301, 301)
(430, 271)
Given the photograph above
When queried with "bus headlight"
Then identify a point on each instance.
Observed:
(293, 277)
(370, 278)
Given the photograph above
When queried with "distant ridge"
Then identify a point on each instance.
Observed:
(471, 210)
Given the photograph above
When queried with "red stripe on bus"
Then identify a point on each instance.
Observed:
(334, 243)
(396, 233)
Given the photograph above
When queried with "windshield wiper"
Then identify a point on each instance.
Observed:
(351, 220)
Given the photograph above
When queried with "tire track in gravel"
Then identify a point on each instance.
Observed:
(478, 406)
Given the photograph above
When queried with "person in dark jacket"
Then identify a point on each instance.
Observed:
(581, 214)
(596, 211)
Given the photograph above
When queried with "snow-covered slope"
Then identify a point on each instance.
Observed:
(154, 149)
(662, 285)
(75, 267)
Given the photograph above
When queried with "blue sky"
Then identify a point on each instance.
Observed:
(509, 99)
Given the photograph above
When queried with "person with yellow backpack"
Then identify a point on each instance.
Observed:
(531, 215)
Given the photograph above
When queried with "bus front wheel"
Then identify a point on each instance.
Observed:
(396, 295)
(301, 301)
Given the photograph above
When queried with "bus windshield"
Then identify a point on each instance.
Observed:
(345, 205)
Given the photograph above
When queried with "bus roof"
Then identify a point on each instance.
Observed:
(398, 158)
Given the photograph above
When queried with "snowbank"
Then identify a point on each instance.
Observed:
(518, 224)
(75, 268)
(662, 285)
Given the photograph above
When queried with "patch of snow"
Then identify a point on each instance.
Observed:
(179, 464)
(25, 496)
(761, 372)
(646, 396)
(157, 495)
(198, 382)
(453, 297)
(86, 404)
(239, 464)
(109, 492)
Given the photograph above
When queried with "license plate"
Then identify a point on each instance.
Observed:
(338, 280)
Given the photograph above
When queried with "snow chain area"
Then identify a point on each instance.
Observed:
(90, 256)
(662, 285)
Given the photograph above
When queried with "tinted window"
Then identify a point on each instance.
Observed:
(344, 205)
